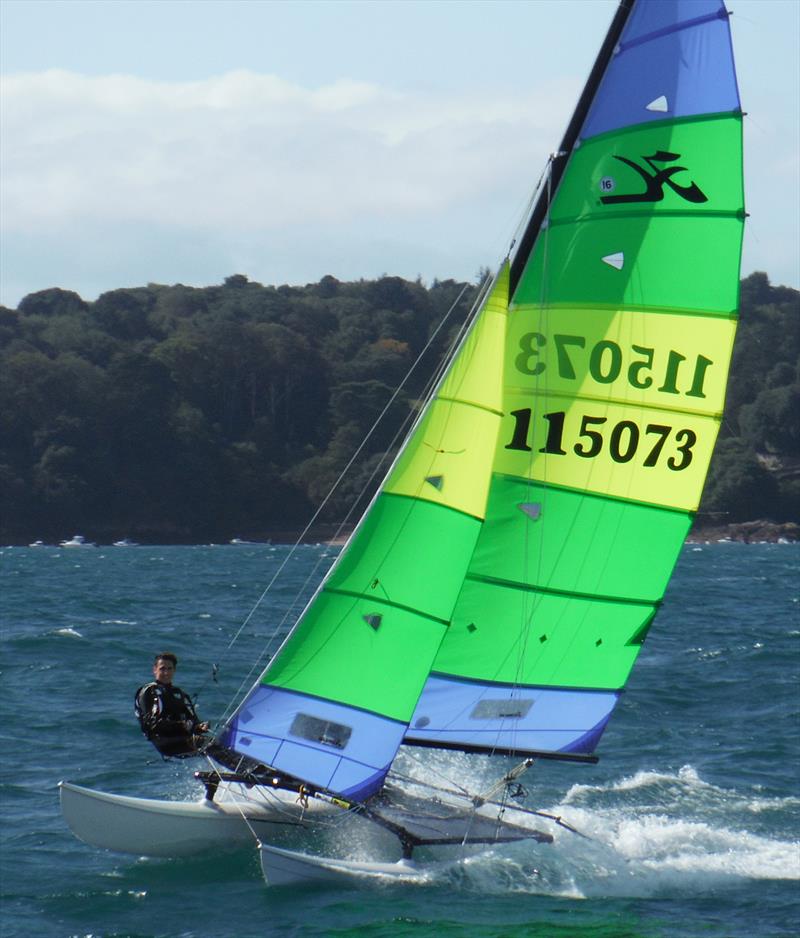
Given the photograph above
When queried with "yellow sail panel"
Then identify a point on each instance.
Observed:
(644, 454)
(655, 359)
(449, 459)
(474, 376)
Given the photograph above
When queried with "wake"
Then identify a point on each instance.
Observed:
(648, 834)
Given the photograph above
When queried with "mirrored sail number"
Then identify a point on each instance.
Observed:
(621, 440)
(606, 361)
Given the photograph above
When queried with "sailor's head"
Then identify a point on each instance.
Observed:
(164, 667)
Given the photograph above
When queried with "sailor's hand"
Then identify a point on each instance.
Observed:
(202, 727)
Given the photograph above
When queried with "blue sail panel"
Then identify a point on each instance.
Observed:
(328, 745)
(496, 717)
(674, 60)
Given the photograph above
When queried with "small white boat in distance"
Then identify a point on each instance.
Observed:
(77, 541)
(37, 544)
(125, 542)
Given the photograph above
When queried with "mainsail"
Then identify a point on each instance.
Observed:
(497, 592)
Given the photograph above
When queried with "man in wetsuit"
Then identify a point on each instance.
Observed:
(166, 713)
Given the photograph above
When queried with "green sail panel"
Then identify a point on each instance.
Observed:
(574, 543)
(543, 639)
(691, 166)
(345, 650)
(639, 260)
(409, 553)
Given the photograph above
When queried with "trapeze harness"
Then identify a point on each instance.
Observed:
(167, 717)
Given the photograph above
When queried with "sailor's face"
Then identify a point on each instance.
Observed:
(163, 671)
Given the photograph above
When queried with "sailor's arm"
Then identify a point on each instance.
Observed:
(149, 708)
(197, 725)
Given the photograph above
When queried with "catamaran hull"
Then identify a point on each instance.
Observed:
(289, 868)
(148, 827)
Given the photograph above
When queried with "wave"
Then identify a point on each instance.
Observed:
(647, 834)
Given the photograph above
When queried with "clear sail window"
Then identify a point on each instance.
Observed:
(508, 709)
(320, 731)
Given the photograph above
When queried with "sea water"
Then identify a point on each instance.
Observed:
(691, 818)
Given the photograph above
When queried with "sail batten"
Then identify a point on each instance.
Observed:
(590, 308)
(677, 27)
(385, 601)
(589, 217)
(621, 401)
(548, 590)
(683, 513)
(402, 496)
(513, 686)
(490, 410)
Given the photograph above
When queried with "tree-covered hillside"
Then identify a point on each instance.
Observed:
(755, 470)
(175, 413)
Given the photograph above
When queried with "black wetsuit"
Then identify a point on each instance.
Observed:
(167, 717)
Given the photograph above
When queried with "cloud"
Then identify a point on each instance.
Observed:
(245, 151)
(118, 180)
(251, 169)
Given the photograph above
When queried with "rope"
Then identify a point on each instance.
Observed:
(241, 797)
(480, 801)
(431, 383)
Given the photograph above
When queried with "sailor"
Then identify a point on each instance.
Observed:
(166, 713)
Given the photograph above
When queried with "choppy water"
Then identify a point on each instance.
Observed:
(694, 809)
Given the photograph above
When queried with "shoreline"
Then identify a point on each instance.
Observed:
(744, 532)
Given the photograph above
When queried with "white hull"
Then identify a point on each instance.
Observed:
(147, 827)
(287, 867)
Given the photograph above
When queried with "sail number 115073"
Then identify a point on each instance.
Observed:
(622, 440)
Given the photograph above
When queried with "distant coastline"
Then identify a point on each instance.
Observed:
(746, 532)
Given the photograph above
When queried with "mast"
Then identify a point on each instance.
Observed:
(561, 157)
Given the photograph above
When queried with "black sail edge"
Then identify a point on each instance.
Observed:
(528, 238)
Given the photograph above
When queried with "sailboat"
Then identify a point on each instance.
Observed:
(497, 591)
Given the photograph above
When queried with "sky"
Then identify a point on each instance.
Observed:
(182, 141)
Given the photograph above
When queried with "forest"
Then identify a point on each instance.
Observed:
(175, 414)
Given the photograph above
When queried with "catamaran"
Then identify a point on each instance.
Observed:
(496, 593)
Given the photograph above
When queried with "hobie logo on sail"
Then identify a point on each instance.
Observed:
(655, 178)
